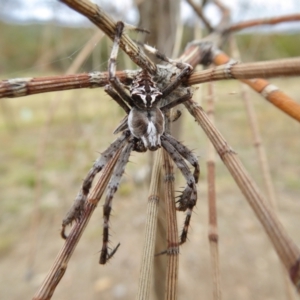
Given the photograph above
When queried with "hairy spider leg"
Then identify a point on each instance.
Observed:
(78, 206)
(134, 28)
(177, 101)
(114, 81)
(111, 190)
(189, 195)
(110, 91)
(186, 153)
(186, 69)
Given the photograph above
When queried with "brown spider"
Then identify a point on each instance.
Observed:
(142, 129)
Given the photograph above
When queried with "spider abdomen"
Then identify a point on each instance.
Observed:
(147, 125)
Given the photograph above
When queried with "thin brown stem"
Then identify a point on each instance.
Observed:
(257, 139)
(259, 22)
(19, 87)
(172, 231)
(235, 70)
(262, 157)
(60, 264)
(150, 231)
(286, 249)
(102, 20)
(269, 91)
(199, 12)
(40, 159)
(213, 235)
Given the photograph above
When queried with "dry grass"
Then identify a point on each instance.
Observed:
(81, 127)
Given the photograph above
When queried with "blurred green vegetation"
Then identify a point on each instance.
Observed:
(257, 47)
(43, 46)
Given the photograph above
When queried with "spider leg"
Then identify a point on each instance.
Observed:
(111, 190)
(177, 101)
(110, 91)
(188, 198)
(175, 115)
(76, 210)
(186, 69)
(186, 153)
(114, 81)
(134, 28)
(123, 125)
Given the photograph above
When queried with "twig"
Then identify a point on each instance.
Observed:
(287, 251)
(234, 70)
(19, 87)
(40, 159)
(269, 91)
(60, 264)
(98, 16)
(172, 231)
(199, 12)
(150, 231)
(225, 19)
(259, 22)
(213, 234)
(262, 156)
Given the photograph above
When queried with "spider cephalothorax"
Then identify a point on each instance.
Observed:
(142, 129)
(146, 121)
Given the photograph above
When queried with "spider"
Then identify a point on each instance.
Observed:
(142, 129)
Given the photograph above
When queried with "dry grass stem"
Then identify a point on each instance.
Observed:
(266, 69)
(20, 87)
(269, 91)
(262, 157)
(40, 160)
(150, 230)
(60, 264)
(286, 249)
(178, 39)
(213, 235)
(270, 21)
(258, 144)
(102, 20)
(257, 139)
(172, 231)
(235, 70)
(200, 14)
(265, 169)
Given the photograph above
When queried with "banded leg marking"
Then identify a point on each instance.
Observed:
(188, 198)
(111, 190)
(78, 206)
(114, 81)
(187, 154)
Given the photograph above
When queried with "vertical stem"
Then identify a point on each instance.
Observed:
(172, 231)
(262, 157)
(60, 264)
(150, 234)
(286, 249)
(213, 235)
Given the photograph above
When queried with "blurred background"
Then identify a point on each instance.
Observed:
(49, 142)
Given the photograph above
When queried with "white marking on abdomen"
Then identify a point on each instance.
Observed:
(152, 134)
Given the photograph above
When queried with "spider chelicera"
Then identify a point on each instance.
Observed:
(142, 129)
